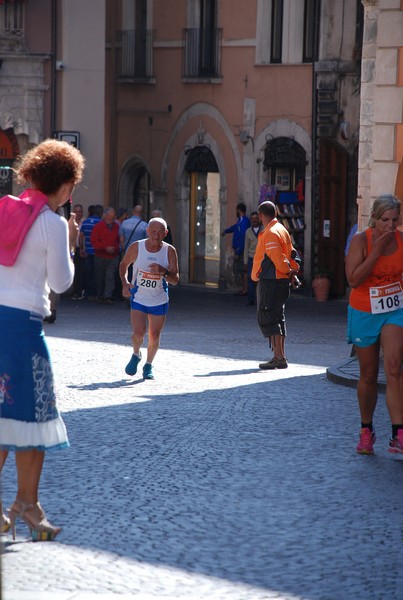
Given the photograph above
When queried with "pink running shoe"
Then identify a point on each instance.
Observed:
(367, 441)
(396, 443)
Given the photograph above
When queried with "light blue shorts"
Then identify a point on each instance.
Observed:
(364, 328)
(159, 310)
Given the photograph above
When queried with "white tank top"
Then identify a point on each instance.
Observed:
(148, 288)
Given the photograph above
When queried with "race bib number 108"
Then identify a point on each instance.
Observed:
(386, 298)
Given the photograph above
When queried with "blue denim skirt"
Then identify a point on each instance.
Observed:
(29, 417)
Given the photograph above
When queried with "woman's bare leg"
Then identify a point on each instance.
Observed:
(392, 344)
(367, 387)
(29, 468)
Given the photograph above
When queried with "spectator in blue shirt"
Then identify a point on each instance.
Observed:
(353, 231)
(132, 229)
(238, 243)
(87, 250)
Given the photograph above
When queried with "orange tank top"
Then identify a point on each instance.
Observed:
(387, 271)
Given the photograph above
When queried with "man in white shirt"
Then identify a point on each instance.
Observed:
(251, 237)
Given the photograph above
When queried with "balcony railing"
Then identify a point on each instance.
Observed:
(135, 54)
(12, 18)
(201, 53)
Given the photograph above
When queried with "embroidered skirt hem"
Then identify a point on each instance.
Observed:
(20, 435)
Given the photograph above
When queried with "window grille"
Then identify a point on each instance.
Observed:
(12, 18)
(201, 52)
(135, 54)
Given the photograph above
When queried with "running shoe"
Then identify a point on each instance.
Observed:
(148, 371)
(131, 367)
(396, 443)
(274, 363)
(367, 441)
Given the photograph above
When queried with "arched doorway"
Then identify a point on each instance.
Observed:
(134, 186)
(204, 216)
(285, 164)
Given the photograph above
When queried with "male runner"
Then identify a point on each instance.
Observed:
(155, 264)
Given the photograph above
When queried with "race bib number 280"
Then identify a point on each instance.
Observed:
(386, 298)
(149, 280)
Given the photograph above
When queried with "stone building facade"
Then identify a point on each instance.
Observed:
(218, 102)
(52, 82)
(194, 110)
(381, 121)
(23, 83)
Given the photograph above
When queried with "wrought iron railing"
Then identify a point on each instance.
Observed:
(12, 18)
(135, 54)
(201, 53)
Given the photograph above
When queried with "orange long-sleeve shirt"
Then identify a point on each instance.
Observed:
(273, 253)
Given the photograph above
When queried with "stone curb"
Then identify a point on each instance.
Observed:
(348, 374)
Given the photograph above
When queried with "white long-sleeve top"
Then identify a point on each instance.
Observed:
(43, 262)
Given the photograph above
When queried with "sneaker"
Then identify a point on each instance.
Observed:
(274, 363)
(131, 367)
(396, 443)
(148, 371)
(367, 441)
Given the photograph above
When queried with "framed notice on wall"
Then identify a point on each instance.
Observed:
(282, 182)
(71, 137)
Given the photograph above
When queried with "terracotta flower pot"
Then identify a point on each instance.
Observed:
(321, 287)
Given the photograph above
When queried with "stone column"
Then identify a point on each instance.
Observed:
(369, 48)
(158, 200)
(224, 269)
(247, 181)
(181, 237)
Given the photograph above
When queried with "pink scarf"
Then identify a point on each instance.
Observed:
(16, 218)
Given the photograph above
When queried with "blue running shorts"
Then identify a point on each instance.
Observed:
(159, 310)
(364, 328)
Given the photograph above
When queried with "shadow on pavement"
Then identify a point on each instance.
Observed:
(105, 384)
(250, 485)
(228, 373)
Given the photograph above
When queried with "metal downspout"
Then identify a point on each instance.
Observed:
(314, 141)
(53, 68)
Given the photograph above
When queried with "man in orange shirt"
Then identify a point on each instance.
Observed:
(275, 270)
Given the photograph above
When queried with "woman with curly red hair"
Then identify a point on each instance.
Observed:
(34, 256)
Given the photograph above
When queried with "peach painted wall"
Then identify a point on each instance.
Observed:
(399, 132)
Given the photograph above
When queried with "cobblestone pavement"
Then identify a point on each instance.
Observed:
(215, 480)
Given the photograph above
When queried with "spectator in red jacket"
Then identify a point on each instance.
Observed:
(105, 241)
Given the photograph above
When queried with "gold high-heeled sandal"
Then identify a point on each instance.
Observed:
(40, 528)
(4, 521)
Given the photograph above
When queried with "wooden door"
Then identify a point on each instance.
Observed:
(332, 213)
